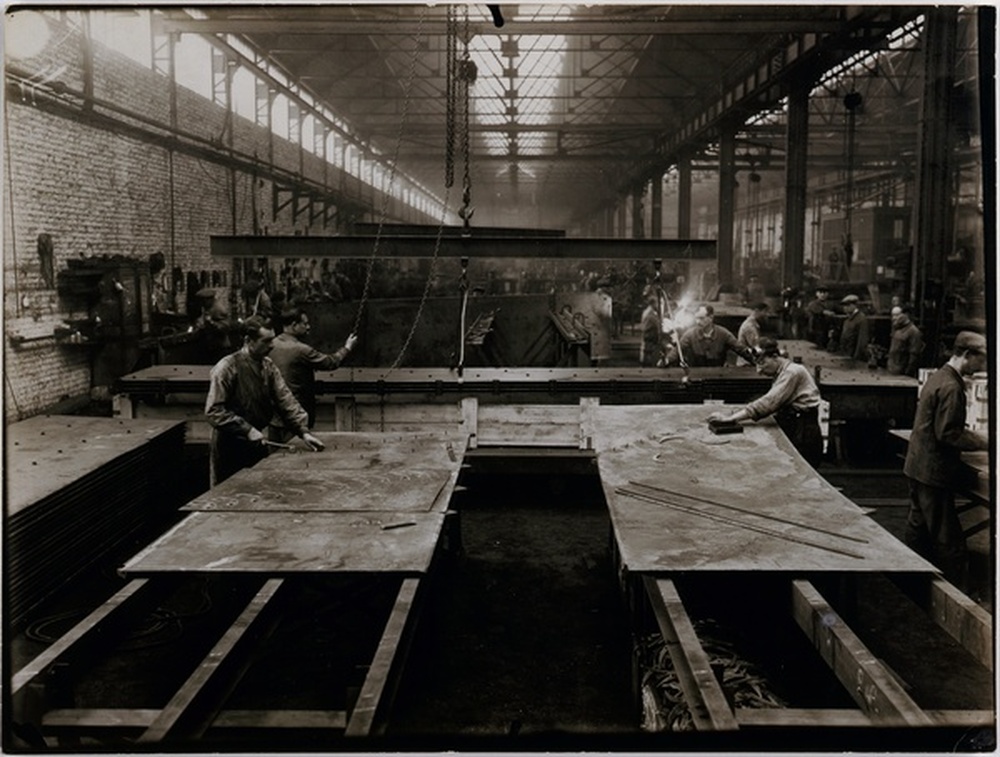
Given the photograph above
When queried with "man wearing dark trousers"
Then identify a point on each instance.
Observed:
(933, 459)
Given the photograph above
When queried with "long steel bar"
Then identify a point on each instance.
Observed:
(735, 522)
(416, 246)
(748, 511)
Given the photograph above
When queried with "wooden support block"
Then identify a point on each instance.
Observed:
(343, 414)
(753, 717)
(710, 710)
(588, 426)
(375, 695)
(869, 684)
(233, 641)
(143, 718)
(470, 420)
(964, 620)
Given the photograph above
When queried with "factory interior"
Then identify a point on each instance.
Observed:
(649, 404)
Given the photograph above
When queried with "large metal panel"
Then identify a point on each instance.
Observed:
(322, 489)
(283, 543)
(774, 512)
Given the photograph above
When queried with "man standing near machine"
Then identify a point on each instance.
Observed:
(298, 363)
(854, 335)
(245, 392)
(933, 458)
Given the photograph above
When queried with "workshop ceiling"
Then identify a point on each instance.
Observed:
(570, 103)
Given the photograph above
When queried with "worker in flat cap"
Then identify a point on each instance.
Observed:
(749, 334)
(854, 333)
(793, 400)
(933, 459)
(245, 392)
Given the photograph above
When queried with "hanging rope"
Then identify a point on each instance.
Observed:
(384, 210)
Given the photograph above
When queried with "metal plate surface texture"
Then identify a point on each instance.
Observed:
(372, 451)
(328, 489)
(745, 502)
(47, 453)
(288, 543)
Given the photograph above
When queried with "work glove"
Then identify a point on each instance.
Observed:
(312, 442)
(255, 437)
(352, 339)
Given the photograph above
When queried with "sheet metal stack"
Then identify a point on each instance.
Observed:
(77, 487)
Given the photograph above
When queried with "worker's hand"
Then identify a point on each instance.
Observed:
(312, 442)
(255, 436)
(719, 417)
(352, 339)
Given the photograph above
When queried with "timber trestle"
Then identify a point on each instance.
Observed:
(371, 517)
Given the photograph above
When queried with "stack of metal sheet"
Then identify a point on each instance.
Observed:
(77, 487)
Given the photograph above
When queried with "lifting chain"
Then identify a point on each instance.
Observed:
(468, 77)
(387, 193)
(451, 64)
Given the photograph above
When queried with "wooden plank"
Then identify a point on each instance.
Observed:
(709, 709)
(841, 718)
(758, 471)
(870, 685)
(276, 543)
(529, 425)
(144, 718)
(370, 701)
(93, 622)
(184, 700)
(962, 618)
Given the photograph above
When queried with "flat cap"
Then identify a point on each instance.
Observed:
(851, 299)
(970, 340)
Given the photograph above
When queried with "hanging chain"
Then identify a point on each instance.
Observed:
(468, 76)
(451, 63)
(387, 193)
(427, 285)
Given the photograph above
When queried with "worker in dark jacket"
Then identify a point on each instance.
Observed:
(934, 456)
(707, 343)
(854, 335)
(245, 391)
(298, 361)
(793, 400)
(820, 318)
(906, 344)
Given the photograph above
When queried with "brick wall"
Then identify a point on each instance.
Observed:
(100, 192)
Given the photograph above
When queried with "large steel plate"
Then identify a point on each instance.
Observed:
(329, 489)
(788, 518)
(287, 543)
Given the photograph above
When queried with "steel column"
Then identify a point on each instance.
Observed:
(932, 218)
(656, 211)
(638, 220)
(796, 178)
(684, 196)
(727, 204)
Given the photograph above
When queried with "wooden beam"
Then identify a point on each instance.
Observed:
(841, 718)
(385, 664)
(92, 622)
(709, 708)
(143, 718)
(416, 246)
(869, 684)
(964, 620)
(182, 703)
